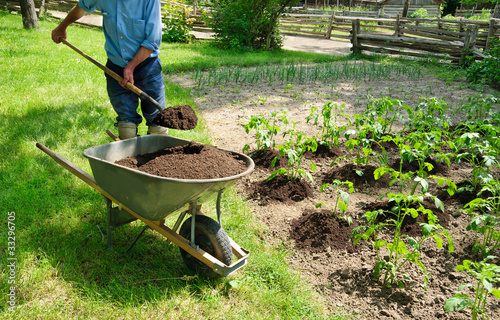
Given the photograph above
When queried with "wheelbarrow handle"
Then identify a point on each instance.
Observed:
(70, 166)
(143, 95)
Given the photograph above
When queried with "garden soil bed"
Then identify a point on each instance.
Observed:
(320, 249)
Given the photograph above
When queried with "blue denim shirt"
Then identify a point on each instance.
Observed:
(128, 25)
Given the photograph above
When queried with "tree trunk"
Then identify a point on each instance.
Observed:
(405, 8)
(28, 12)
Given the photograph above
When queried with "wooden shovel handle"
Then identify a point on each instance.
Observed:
(70, 166)
(144, 96)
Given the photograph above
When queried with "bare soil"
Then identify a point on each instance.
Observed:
(319, 243)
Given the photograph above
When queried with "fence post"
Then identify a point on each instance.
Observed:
(330, 26)
(491, 33)
(396, 27)
(496, 12)
(461, 25)
(469, 42)
(354, 36)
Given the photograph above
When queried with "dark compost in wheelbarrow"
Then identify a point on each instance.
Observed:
(190, 161)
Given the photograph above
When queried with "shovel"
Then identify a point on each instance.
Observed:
(179, 117)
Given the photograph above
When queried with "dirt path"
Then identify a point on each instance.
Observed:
(304, 44)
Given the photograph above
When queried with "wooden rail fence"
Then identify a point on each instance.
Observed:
(448, 39)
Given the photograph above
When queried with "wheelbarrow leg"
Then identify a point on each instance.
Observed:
(115, 219)
(137, 238)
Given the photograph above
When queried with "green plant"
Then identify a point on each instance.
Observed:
(485, 213)
(417, 146)
(178, 25)
(480, 153)
(330, 132)
(248, 25)
(266, 129)
(477, 107)
(342, 197)
(421, 13)
(486, 274)
(296, 146)
(387, 269)
(429, 114)
(260, 100)
(486, 70)
(383, 112)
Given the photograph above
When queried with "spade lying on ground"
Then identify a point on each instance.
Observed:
(177, 117)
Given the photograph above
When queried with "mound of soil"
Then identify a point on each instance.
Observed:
(348, 172)
(317, 231)
(324, 152)
(264, 157)
(283, 190)
(438, 167)
(466, 194)
(177, 117)
(191, 161)
(411, 226)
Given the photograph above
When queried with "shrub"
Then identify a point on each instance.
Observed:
(421, 13)
(486, 71)
(248, 25)
(177, 22)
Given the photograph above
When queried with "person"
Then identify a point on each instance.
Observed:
(132, 30)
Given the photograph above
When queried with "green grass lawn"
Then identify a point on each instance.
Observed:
(50, 94)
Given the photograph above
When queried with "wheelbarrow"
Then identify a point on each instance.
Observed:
(204, 245)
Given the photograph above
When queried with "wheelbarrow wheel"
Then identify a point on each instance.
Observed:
(210, 237)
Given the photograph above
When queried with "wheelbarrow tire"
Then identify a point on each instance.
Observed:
(210, 237)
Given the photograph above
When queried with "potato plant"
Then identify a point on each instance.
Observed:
(418, 146)
(486, 274)
(402, 248)
(266, 129)
(296, 145)
(341, 196)
(327, 120)
(485, 220)
(477, 107)
(470, 146)
(429, 114)
(383, 112)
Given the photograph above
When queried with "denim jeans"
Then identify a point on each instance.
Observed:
(147, 77)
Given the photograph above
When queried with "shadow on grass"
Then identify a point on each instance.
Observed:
(61, 219)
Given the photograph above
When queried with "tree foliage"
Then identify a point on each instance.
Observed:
(248, 24)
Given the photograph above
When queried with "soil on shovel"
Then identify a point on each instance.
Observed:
(191, 161)
(177, 117)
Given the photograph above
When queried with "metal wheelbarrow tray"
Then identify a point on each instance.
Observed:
(151, 199)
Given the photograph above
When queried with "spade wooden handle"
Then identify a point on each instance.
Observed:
(144, 96)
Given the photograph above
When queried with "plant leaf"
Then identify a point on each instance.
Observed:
(496, 293)
(439, 204)
(455, 303)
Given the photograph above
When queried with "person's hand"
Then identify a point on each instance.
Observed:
(58, 33)
(128, 76)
